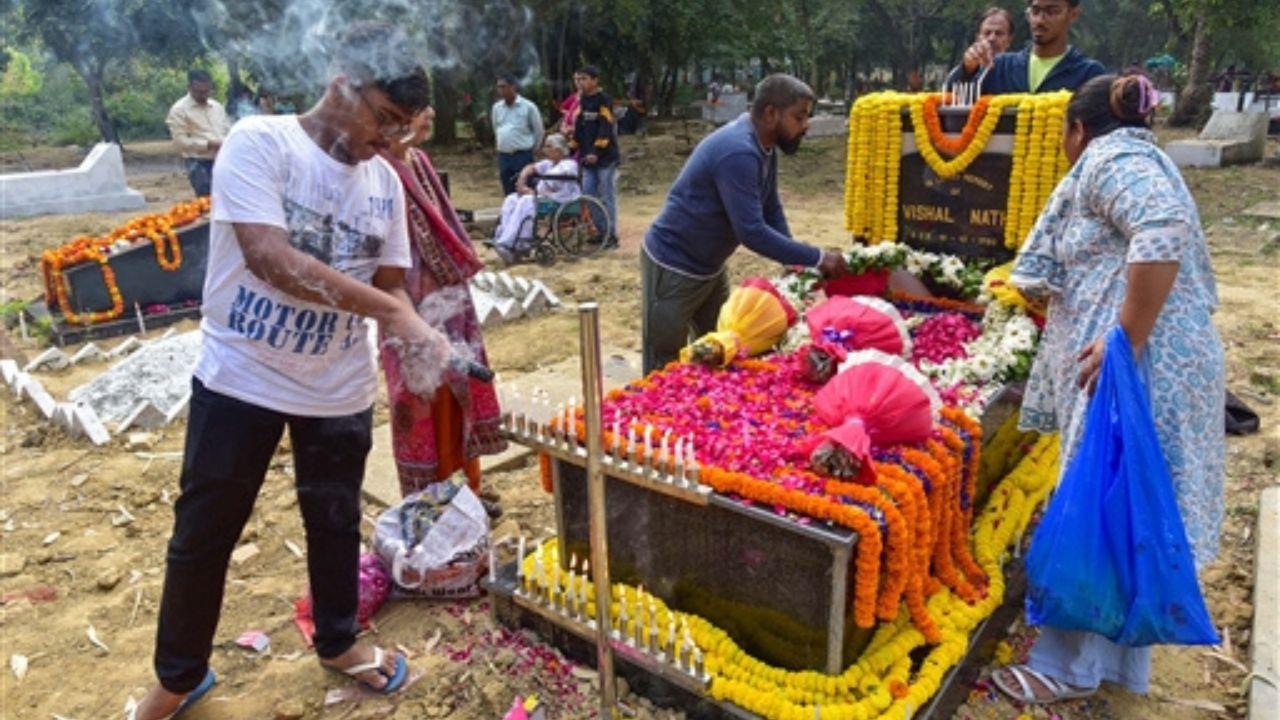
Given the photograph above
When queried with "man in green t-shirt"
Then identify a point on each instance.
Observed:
(1049, 64)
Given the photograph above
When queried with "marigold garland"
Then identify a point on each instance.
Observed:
(901, 522)
(157, 228)
(884, 682)
(941, 140)
(875, 155)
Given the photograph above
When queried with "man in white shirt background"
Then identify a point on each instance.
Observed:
(518, 129)
(198, 124)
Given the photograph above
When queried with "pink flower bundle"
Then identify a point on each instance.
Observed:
(943, 337)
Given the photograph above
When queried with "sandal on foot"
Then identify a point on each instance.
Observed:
(394, 681)
(1024, 693)
(193, 697)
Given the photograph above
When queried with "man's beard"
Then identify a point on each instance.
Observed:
(790, 145)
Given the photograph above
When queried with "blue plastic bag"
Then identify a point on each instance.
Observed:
(1111, 555)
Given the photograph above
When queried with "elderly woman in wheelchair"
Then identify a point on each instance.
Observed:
(548, 212)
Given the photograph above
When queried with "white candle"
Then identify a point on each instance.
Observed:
(517, 410)
(679, 461)
(493, 563)
(631, 441)
(648, 443)
(570, 433)
(539, 574)
(617, 437)
(520, 558)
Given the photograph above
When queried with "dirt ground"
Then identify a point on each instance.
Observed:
(66, 566)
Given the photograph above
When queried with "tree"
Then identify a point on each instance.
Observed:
(912, 26)
(1244, 29)
(92, 36)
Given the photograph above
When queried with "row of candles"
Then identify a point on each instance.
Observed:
(673, 460)
(636, 619)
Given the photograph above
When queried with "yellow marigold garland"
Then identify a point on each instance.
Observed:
(875, 158)
(882, 684)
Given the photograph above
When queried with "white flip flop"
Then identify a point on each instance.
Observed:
(1024, 693)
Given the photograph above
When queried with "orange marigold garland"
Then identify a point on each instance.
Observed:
(941, 140)
(911, 541)
(963, 511)
(158, 228)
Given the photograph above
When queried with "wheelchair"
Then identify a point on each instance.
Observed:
(577, 229)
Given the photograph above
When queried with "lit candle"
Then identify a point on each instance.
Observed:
(570, 418)
(493, 564)
(617, 436)
(631, 441)
(539, 574)
(648, 444)
(671, 638)
(665, 444)
(570, 590)
(653, 634)
(520, 577)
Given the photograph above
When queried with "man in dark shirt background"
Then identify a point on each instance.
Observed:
(595, 139)
(1049, 64)
(726, 195)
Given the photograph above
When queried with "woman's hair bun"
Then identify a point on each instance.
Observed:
(1132, 98)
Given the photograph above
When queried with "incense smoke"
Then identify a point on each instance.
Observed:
(289, 42)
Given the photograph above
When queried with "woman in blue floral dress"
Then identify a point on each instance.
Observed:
(1120, 241)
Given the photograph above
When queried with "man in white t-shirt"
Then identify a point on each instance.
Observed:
(308, 240)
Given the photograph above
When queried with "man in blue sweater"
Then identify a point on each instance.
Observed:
(1049, 64)
(726, 195)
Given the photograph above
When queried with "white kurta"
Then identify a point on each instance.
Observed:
(516, 221)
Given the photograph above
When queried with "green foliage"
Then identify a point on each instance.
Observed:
(20, 78)
(131, 54)
(139, 96)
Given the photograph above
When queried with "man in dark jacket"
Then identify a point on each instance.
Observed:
(726, 196)
(595, 139)
(1049, 64)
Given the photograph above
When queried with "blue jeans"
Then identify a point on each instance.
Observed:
(509, 167)
(599, 182)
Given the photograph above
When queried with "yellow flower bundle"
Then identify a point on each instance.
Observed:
(875, 156)
(883, 683)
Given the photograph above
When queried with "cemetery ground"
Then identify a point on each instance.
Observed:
(83, 529)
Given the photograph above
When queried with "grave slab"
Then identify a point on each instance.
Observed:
(1229, 138)
(1268, 210)
(827, 126)
(97, 185)
(1264, 681)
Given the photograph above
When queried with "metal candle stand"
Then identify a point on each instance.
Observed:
(677, 476)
